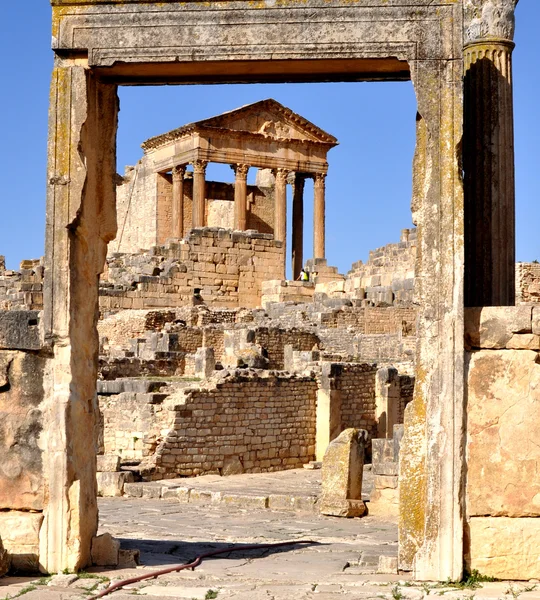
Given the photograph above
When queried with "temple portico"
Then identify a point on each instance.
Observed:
(265, 136)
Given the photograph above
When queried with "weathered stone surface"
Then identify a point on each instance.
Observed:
(19, 330)
(21, 422)
(105, 551)
(388, 565)
(384, 502)
(128, 558)
(494, 326)
(111, 484)
(108, 463)
(5, 560)
(20, 536)
(342, 472)
(205, 362)
(524, 341)
(504, 548)
(232, 465)
(503, 432)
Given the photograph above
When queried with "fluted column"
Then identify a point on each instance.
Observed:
(178, 201)
(280, 210)
(298, 224)
(199, 192)
(319, 216)
(240, 196)
(488, 156)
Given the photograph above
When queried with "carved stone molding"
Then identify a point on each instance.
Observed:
(319, 180)
(241, 170)
(281, 175)
(199, 167)
(489, 19)
(178, 172)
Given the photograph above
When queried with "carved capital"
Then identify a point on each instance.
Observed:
(319, 180)
(240, 170)
(178, 172)
(281, 175)
(489, 20)
(199, 167)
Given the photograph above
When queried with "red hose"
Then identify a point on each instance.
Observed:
(195, 563)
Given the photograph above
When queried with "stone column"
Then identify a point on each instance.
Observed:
(318, 216)
(240, 196)
(328, 413)
(298, 225)
(488, 155)
(178, 201)
(81, 220)
(280, 209)
(199, 192)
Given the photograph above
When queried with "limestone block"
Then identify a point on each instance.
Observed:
(503, 432)
(205, 363)
(386, 481)
(128, 559)
(19, 330)
(536, 320)
(342, 471)
(504, 548)
(524, 341)
(21, 484)
(494, 326)
(105, 550)
(111, 484)
(5, 560)
(108, 463)
(232, 466)
(388, 565)
(384, 502)
(19, 532)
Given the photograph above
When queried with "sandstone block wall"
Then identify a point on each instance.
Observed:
(356, 383)
(527, 282)
(23, 289)
(266, 421)
(227, 267)
(503, 454)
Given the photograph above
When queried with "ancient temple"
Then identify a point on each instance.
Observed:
(166, 194)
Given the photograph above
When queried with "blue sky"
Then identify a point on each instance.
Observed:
(369, 181)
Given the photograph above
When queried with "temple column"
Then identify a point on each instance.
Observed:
(298, 225)
(240, 196)
(488, 157)
(318, 216)
(199, 192)
(280, 210)
(178, 173)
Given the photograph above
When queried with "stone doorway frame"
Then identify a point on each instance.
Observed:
(100, 44)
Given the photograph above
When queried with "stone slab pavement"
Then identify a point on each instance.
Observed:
(341, 560)
(296, 489)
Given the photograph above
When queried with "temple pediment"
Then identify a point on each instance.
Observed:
(267, 118)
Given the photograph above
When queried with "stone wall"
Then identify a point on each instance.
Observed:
(356, 382)
(527, 282)
(23, 289)
(23, 495)
(388, 275)
(503, 454)
(262, 421)
(227, 267)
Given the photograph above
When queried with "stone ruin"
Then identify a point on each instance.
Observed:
(476, 352)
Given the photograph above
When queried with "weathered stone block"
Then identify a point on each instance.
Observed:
(388, 565)
(111, 484)
(504, 548)
(384, 502)
(108, 463)
(5, 560)
(536, 320)
(503, 432)
(128, 558)
(232, 465)
(19, 330)
(494, 326)
(20, 536)
(342, 472)
(105, 550)
(21, 480)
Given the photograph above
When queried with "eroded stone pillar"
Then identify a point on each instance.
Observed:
(178, 201)
(240, 196)
(319, 216)
(280, 208)
(81, 220)
(298, 224)
(488, 155)
(328, 419)
(199, 192)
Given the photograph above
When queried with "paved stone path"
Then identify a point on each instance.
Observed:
(340, 563)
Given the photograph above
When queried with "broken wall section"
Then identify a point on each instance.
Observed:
(503, 428)
(22, 487)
